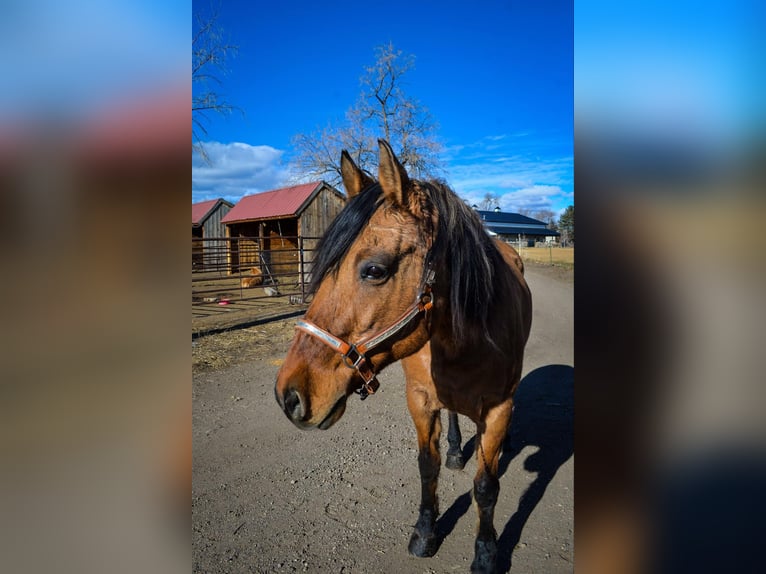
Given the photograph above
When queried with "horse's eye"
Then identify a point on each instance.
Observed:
(374, 272)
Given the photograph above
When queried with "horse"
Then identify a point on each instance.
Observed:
(406, 272)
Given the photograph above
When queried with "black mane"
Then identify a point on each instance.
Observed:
(342, 232)
(464, 248)
(465, 257)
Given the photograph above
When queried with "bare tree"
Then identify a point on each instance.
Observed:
(402, 120)
(319, 152)
(489, 201)
(209, 54)
(382, 110)
(547, 216)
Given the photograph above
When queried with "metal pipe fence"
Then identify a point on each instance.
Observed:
(242, 269)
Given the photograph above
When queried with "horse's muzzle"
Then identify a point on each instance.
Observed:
(296, 407)
(293, 405)
(334, 415)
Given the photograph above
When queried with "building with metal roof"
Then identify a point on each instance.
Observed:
(277, 230)
(206, 227)
(515, 227)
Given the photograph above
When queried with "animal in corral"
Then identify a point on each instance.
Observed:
(406, 272)
(254, 280)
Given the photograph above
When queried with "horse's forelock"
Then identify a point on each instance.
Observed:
(341, 233)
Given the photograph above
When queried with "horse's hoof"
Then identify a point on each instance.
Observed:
(485, 559)
(423, 546)
(455, 461)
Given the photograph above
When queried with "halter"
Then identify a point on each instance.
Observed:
(355, 355)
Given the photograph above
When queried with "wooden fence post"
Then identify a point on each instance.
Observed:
(302, 270)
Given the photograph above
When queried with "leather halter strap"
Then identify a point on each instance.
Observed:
(355, 355)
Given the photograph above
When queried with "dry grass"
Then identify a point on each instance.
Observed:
(212, 352)
(561, 256)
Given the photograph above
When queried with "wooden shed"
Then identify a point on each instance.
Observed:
(269, 229)
(206, 227)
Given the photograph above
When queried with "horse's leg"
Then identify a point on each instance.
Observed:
(454, 452)
(486, 485)
(428, 425)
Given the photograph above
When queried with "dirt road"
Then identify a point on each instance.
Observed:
(270, 498)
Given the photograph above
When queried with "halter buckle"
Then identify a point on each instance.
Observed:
(430, 277)
(353, 358)
(368, 388)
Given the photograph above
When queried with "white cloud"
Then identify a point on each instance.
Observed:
(532, 198)
(236, 169)
(523, 170)
(535, 198)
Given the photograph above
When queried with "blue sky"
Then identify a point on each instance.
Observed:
(69, 58)
(495, 75)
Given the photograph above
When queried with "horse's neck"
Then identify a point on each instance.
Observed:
(509, 319)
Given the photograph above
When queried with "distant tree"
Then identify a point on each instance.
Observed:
(547, 216)
(566, 224)
(401, 119)
(489, 202)
(209, 54)
(318, 154)
(382, 110)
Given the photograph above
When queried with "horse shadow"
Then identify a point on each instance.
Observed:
(543, 417)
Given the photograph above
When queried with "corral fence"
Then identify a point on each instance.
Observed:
(267, 276)
(241, 270)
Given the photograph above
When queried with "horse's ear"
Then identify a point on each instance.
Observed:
(354, 179)
(392, 175)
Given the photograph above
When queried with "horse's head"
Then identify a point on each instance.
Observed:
(368, 270)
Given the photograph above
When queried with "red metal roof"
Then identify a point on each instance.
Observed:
(201, 209)
(283, 202)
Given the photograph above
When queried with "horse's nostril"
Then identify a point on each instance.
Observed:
(293, 405)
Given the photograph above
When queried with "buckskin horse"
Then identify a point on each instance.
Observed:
(407, 272)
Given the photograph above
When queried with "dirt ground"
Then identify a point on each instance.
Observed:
(267, 497)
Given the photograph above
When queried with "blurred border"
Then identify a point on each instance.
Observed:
(95, 416)
(669, 142)
(94, 180)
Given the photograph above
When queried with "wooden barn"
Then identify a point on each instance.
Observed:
(268, 229)
(207, 225)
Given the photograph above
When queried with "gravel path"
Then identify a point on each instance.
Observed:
(270, 498)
